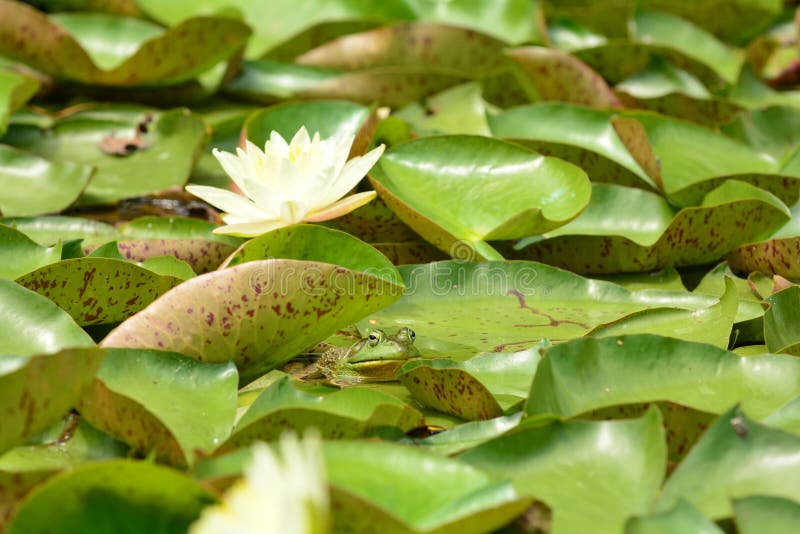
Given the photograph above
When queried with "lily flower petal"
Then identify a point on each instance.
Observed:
(227, 201)
(251, 229)
(345, 205)
(352, 173)
(233, 167)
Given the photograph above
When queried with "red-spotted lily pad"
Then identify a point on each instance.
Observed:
(144, 496)
(337, 413)
(494, 190)
(258, 314)
(630, 230)
(95, 48)
(98, 290)
(162, 402)
(619, 478)
(782, 321)
(170, 146)
(480, 388)
(389, 485)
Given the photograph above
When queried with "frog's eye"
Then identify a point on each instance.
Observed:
(411, 335)
(374, 337)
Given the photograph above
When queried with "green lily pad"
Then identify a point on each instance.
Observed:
(459, 309)
(766, 514)
(20, 255)
(586, 374)
(413, 178)
(95, 48)
(667, 279)
(683, 517)
(779, 255)
(593, 492)
(580, 135)
(135, 495)
(32, 402)
(163, 402)
(374, 223)
(409, 252)
(482, 387)
(558, 75)
(630, 230)
(316, 243)
(337, 413)
(782, 321)
(15, 90)
(743, 458)
(49, 230)
(389, 485)
(98, 290)
(258, 314)
(772, 130)
(172, 143)
(465, 436)
(710, 325)
(456, 110)
(59, 184)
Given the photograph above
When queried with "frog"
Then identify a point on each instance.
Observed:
(373, 358)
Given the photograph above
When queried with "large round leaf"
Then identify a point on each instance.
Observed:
(462, 190)
(258, 314)
(113, 496)
(593, 475)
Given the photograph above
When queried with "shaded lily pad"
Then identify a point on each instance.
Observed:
(337, 413)
(782, 321)
(630, 230)
(258, 314)
(389, 485)
(413, 178)
(110, 50)
(163, 402)
(27, 389)
(316, 243)
(620, 477)
(457, 110)
(49, 230)
(459, 309)
(778, 255)
(683, 517)
(743, 458)
(172, 143)
(482, 387)
(15, 90)
(98, 290)
(646, 368)
(710, 325)
(144, 496)
(20, 255)
(766, 514)
(59, 184)
(466, 435)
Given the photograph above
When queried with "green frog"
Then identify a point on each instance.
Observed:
(374, 358)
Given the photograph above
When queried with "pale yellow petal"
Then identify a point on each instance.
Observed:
(352, 173)
(345, 205)
(233, 167)
(227, 201)
(252, 229)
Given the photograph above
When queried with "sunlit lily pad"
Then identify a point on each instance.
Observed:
(683, 517)
(457, 110)
(782, 321)
(370, 480)
(766, 514)
(15, 90)
(98, 290)
(467, 435)
(258, 314)
(20, 255)
(144, 496)
(630, 230)
(49, 230)
(110, 50)
(593, 492)
(162, 402)
(172, 143)
(337, 413)
(536, 193)
(743, 458)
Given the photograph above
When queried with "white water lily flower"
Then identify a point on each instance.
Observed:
(279, 494)
(285, 184)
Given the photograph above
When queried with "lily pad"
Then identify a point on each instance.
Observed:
(15, 90)
(337, 413)
(743, 458)
(95, 48)
(593, 492)
(646, 368)
(457, 110)
(163, 402)
(389, 485)
(20, 255)
(172, 143)
(258, 314)
(49, 230)
(459, 309)
(466, 435)
(710, 325)
(98, 290)
(766, 514)
(38, 390)
(144, 496)
(630, 230)
(683, 517)
(536, 193)
(778, 255)
(782, 321)
(59, 184)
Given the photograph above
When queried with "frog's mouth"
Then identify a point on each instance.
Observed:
(380, 369)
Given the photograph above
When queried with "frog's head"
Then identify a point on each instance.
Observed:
(378, 346)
